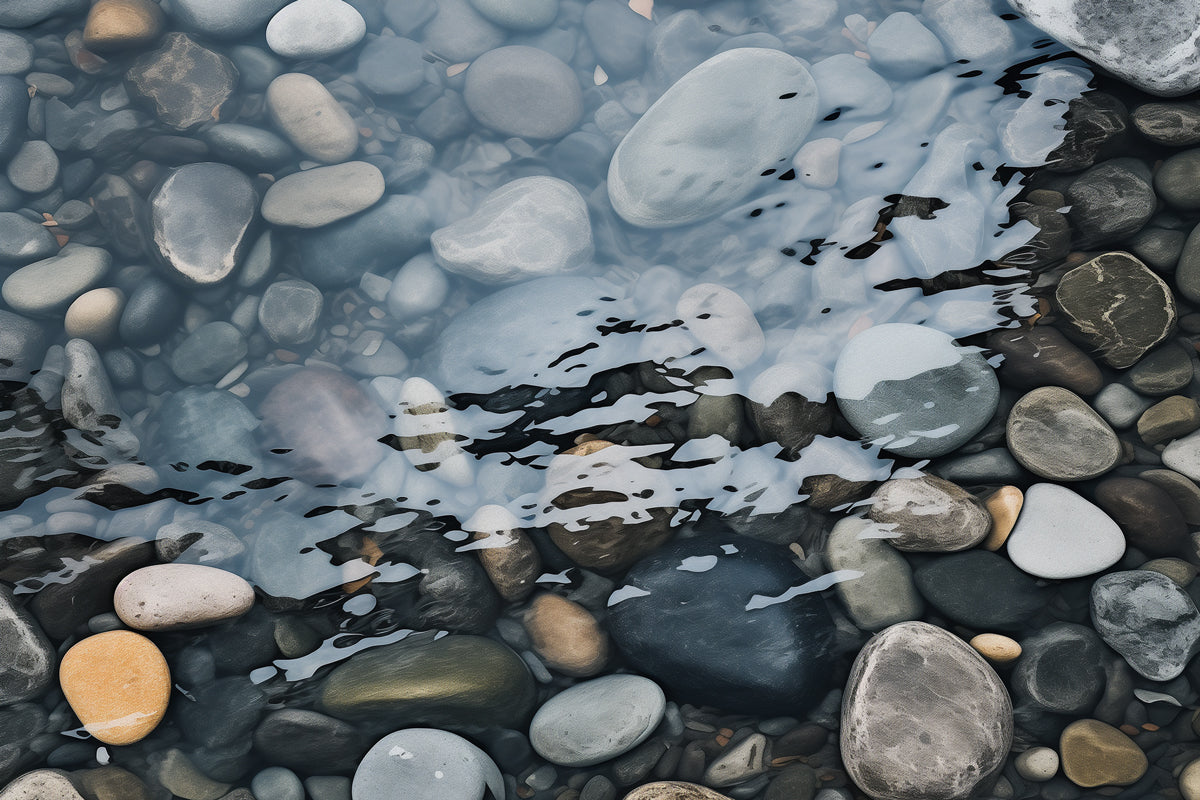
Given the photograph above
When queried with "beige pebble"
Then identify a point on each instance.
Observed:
(673, 790)
(566, 635)
(95, 315)
(169, 597)
(507, 554)
(1176, 569)
(114, 25)
(118, 684)
(1037, 764)
(1096, 754)
(1189, 781)
(997, 648)
(41, 784)
(1004, 505)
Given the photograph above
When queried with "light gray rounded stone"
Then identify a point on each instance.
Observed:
(1149, 619)
(426, 764)
(323, 195)
(597, 720)
(16, 54)
(48, 286)
(518, 15)
(702, 147)
(34, 168)
(89, 402)
(290, 310)
(924, 717)
(277, 783)
(41, 784)
(172, 597)
(315, 29)
(228, 19)
(929, 514)
(1056, 435)
(1059, 535)
(885, 593)
(523, 91)
(311, 118)
(528, 228)
(208, 353)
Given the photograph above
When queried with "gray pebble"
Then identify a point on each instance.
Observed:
(208, 353)
(289, 311)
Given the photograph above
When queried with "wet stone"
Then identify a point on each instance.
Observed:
(33, 168)
(186, 84)
(566, 636)
(221, 712)
(14, 107)
(1172, 124)
(889, 595)
(16, 54)
(251, 148)
(1061, 535)
(150, 313)
(95, 316)
(928, 514)
(290, 310)
(208, 353)
(1182, 490)
(89, 402)
(1175, 180)
(523, 91)
(618, 35)
(458, 32)
(197, 541)
(48, 286)
(521, 15)
(1147, 514)
(391, 65)
(167, 597)
(23, 241)
(277, 783)
(1041, 356)
(231, 19)
(1158, 248)
(315, 29)
(41, 784)
(1056, 435)
(1162, 371)
(597, 720)
(116, 25)
(508, 554)
(30, 661)
(980, 590)
(1148, 619)
(394, 229)
(308, 741)
(426, 764)
(1061, 669)
(1096, 123)
(1109, 202)
(22, 345)
(1096, 754)
(311, 118)
(117, 684)
(323, 195)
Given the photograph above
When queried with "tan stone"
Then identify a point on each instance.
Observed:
(673, 790)
(114, 25)
(1096, 754)
(118, 684)
(588, 447)
(997, 648)
(1189, 781)
(1176, 569)
(95, 315)
(41, 784)
(1004, 505)
(566, 635)
(507, 554)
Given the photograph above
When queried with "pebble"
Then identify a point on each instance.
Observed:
(923, 717)
(739, 763)
(178, 774)
(231, 19)
(523, 91)
(315, 29)
(427, 434)
(116, 25)
(1182, 490)
(1119, 405)
(1189, 781)
(1163, 371)
(248, 147)
(197, 541)
(48, 287)
(997, 648)
(1042, 356)
(169, 597)
(1183, 455)
(1109, 202)
(118, 685)
(34, 168)
(949, 583)
(1061, 670)
(459, 33)
(618, 35)
(308, 741)
(508, 554)
(456, 681)
(95, 315)
(199, 425)
(419, 288)
(22, 240)
(1176, 569)
(528, 228)
(311, 118)
(1004, 507)
(889, 595)
(1172, 124)
(1059, 535)
(1037, 764)
(521, 15)
(928, 514)
(1096, 754)
(182, 105)
(24, 13)
(22, 345)
(290, 310)
(692, 156)
(41, 784)
(16, 54)
(912, 390)
(710, 588)
(1148, 619)
(89, 402)
(723, 322)
(674, 790)
(597, 720)
(1169, 419)
(276, 783)
(566, 636)
(14, 110)
(391, 65)
(901, 47)
(1158, 248)
(30, 660)
(323, 195)
(426, 764)
(1117, 306)
(1147, 514)
(1056, 435)
(208, 353)
(208, 196)
(394, 229)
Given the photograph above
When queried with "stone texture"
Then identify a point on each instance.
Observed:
(1148, 619)
(315, 29)
(117, 684)
(923, 717)
(309, 741)
(95, 315)
(928, 514)
(1172, 124)
(41, 784)
(1060, 535)
(597, 720)
(426, 764)
(885, 594)
(674, 790)
(231, 19)
(1003, 506)
(998, 649)
(168, 597)
(1169, 419)
(200, 216)
(1164, 370)
(1116, 306)
(1147, 514)
(507, 554)
(186, 84)
(29, 660)
(980, 590)
(48, 287)
(566, 636)
(1041, 356)
(1055, 435)
(1096, 754)
(1110, 202)
(1061, 669)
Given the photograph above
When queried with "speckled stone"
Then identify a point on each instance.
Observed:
(185, 83)
(997, 648)
(1056, 435)
(1147, 618)
(426, 764)
(169, 597)
(673, 790)
(117, 684)
(1096, 754)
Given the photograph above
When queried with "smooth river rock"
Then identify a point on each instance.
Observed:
(886, 593)
(523, 91)
(1056, 435)
(703, 147)
(323, 195)
(1060, 535)
(170, 597)
(928, 514)
(426, 764)
(597, 720)
(29, 660)
(924, 717)
(118, 685)
(1147, 618)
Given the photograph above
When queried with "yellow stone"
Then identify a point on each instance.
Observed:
(122, 24)
(118, 684)
(997, 648)
(1189, 781)
(566, 635)
(1004, 505)
(1096, 754)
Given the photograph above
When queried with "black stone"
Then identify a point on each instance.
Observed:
(19, 724)
(980, 590)
(151, 313)
(1051, 242)
(1158, 248)
(1146, 513)
(1061, 669)
(725, 647)
(243, 644)
(1174, 124)
(1163, 371)
(221, 712)
(63, 607)
(309, 742)
(1110, 201)
(1096, 125)
(248, 147)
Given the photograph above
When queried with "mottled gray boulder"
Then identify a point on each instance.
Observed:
(156, 78)
(1061, 669)
(923, 717)
(29, 661)
(200, 215)
(1149, 619)
(1056, 435)
(885, 593)
(929, 514)
(289, 311)
(89, 402)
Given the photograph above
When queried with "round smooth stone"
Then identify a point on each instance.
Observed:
(902, 47)
(518, 15)
(277, 783)
(118, 684)
(997, 648)
(523, 91)
(16, 54)
(1172, 124)
(315, 29)
(723, 322)
(566, 635)
(1096, 754)
(928, 514)
(95, 315)
(674, 790)
(323, 195)
(50, 285)
(229, 19)
(702, 147)
(890, 595)
(1059, 535)
(22, 347)
(913, 391)
(1177, 181)
(1189, 781)
(290, 310)
(426, 764)
(1183, 455)
(34, 168)
(1037, 764)
(170, 597)
(23, 241)
(1056, 435)
(1151, 520)
(41, 784)
(208, 353)
(391, 65)
(311, 118)
(597, 720)
(1004, 506)
(115, 25)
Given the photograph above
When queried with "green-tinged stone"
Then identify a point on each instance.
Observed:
(457, 682)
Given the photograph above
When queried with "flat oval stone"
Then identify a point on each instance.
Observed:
(457, 681)
(200, 215)
(1042, 356)
(322, 195)
(208, 353)
(1059, 535)
(170, 597)
(315, 29)
(980, 590)
(311, 118)
(528, 228)
(231, 19)
(923, 716)
(565, 634)
(1056, 435)
(886, 593)
(426, 764)
(518, 15)
(597, 720)
(703, 146)
(1096, 754)
(1147, 618)
(1172, 124)
(118, 684)
(22, 347)
(913, 391)
(115, 25)
(929, 514)
(22, 240)
(523, 91)
(1109, 202)
(48, 286)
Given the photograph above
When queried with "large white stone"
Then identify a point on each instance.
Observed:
(426, 764)
(170, 597)
(597, 720)
(1060, 535)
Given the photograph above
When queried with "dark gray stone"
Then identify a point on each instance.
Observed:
(1110, 202)
(23, 241)
(1096, 123)
(87, 128)
(1056, 435)
(31, 455)
(1177, 181)
(29, 660)
(151, 313)
(220, 713)
(34, 167)
(980, 590)
(1165, 370)
(24, 13)
(208, 353)
(1148, 619)
(186, 84)
(124, 215)
(309, 742)
(248, 147)
(201, 215)
(923, 717)
(20, 725)
(391, 232)
(1051, 242)
(1041, 356)
(14, 108)
(1061, 669)
(1146, 513)
(618, 35)
(63, 607)
(22, 346)
(1158, 248)
(1172, 124)
(391, 65)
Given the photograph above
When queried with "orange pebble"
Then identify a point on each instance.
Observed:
(118, 684)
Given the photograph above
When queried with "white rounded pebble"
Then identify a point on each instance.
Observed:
(426, 764)
(597, 720)
(95, 315)
(1183, 455)
(1060, 535)
(168, 597)
(1037, 764)
(315, 29)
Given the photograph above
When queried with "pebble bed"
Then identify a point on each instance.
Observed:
(747, 399)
